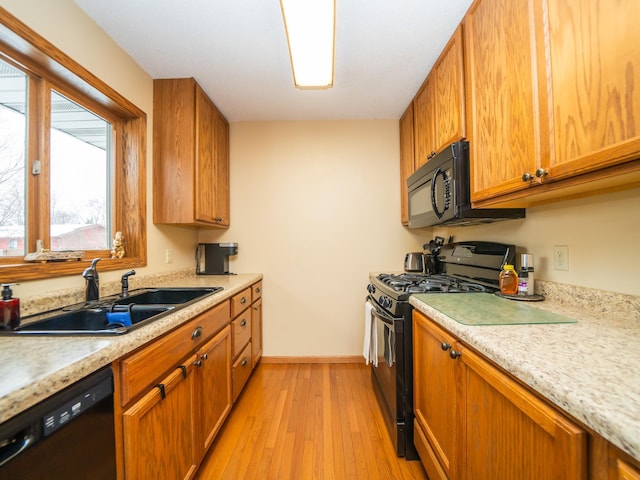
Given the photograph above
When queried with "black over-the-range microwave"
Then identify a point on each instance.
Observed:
(439, 193)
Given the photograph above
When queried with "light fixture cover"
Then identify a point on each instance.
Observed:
(310, 27)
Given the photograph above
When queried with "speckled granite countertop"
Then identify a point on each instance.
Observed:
(589, 369)
(33, 368)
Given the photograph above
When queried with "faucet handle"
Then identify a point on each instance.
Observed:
(125, 282)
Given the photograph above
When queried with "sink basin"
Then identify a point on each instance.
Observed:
(144, 305)
(166, 296)
(92, 321)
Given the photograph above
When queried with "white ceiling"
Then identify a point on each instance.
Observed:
(237, 51)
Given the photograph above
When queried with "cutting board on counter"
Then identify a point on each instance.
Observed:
(488, 309)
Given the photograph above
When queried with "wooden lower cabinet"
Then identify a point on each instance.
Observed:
(510, 433)
(158, 433)
(480, 423)
(174, 395)
(256, 332)
(213, 388)
(435, 407)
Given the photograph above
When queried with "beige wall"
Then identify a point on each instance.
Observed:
(62, 23)
(315, 206)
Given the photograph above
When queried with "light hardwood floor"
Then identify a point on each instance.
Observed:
(307, 421)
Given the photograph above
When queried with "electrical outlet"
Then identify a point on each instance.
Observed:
(168, 255)
(560, 257)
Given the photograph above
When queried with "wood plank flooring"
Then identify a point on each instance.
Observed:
(307, 421)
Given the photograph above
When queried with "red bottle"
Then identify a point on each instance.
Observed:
(9, 309)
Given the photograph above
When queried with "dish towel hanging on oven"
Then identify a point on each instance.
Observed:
(370, 348)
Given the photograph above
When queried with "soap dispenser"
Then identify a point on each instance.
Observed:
(9, 309)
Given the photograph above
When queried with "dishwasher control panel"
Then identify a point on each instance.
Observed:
(63, 414)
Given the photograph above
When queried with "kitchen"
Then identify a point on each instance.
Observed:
(320, 237)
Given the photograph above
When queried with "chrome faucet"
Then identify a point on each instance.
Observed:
(90, 274)
(125, 283)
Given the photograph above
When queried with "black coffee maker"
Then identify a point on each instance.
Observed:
(213, 258)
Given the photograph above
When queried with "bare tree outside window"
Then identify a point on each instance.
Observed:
(13, 84)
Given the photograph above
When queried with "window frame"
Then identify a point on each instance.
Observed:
(49, 68)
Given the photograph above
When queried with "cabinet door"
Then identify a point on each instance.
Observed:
(205, 172)
(425, 121)
(502, 104)
(221, 157)
(158, 434)
(450, 109)
(594, 61)
(256, 332)
(407, 166)
(213, 389)
(174, 150)
(510, 433)
(434, 397)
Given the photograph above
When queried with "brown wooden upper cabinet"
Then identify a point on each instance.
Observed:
(190, 156)
(439, 105)
(407, 164)
(552, 98)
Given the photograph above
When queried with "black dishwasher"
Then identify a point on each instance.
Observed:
(67, 436)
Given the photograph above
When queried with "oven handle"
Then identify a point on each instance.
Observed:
(381, 314)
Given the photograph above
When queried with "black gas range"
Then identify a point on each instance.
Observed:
(462, 267)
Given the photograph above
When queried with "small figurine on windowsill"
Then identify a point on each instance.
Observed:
(118, 246)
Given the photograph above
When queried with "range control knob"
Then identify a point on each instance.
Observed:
(386, 302)
(371, 288)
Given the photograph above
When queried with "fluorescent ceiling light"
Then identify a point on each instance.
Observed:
(310, 27)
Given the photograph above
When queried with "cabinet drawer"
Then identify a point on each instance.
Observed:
(147, 365)
(241, 371)
(256, 291)
(240, 301)
(241, 332)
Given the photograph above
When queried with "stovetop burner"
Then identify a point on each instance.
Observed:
(414, 283)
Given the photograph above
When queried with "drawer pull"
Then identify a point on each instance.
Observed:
(258, 290)
(453, 354)
(445, 346)
(184, 370)
(198, 363)
(243, 300)
(244, 362)
(196, 333)
(243, 323)
(204, 356)
(163, 394)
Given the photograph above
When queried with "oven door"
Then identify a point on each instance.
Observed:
(387, 379)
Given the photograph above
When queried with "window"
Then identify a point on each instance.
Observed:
(72, 161)
(80, 177)
(13, 134)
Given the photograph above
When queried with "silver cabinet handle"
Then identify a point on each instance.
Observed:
(243, 300)
(445, 346)
(258, 290)
(196, 333)
(453, 354)
(244, 362)
(243, 323)
(541, 172)
(526, 177)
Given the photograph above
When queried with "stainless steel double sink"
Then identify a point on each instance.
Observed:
(114, 315)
